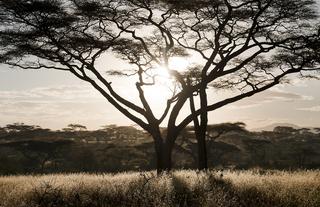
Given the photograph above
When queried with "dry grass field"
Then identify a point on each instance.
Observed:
(180, 188)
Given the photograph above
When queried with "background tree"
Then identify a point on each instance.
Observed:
(188, 137)
(3, 131)
(75, 128)
(285, 130)
(39, 153)
(248, 46)
(20, 128)
(10, 131)
(215, 131)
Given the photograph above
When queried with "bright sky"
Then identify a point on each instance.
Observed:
(54, 99)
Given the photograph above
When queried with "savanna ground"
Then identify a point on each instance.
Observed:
(180, 188)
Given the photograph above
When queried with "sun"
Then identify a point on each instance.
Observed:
(164, 81)
(175, 63)
(178, 63)
(161, 72)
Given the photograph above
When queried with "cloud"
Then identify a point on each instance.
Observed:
(242, 106)
(56, 114)
(310, 109)
(57, 106)
(296, 82)
(63, 92)
(281, 95)
(269, 96)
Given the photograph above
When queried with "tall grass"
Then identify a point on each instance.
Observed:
(180, 188)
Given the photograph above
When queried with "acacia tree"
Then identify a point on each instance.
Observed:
(246, 45)
(75, 128)
(214, 132)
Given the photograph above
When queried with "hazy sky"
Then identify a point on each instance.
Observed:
(55, 98)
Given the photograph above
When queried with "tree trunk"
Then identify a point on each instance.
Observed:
(202, 150)
(200, 129)
(163, 156)
(167, 154)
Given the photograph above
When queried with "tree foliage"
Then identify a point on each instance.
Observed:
(75, 127)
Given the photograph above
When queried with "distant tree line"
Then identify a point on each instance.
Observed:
(32, 149)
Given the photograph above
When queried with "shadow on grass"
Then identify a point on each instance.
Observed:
(207, 190)
(253, 197)
(176, 190)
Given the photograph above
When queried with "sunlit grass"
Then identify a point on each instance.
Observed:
(181, 188)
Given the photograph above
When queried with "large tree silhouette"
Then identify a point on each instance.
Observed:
(246, 45)
(252, 46)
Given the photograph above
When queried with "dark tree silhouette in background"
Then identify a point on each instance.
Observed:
(247, 45)
(74, 128)
(20, 127)
(39, 152)
(213, 132)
